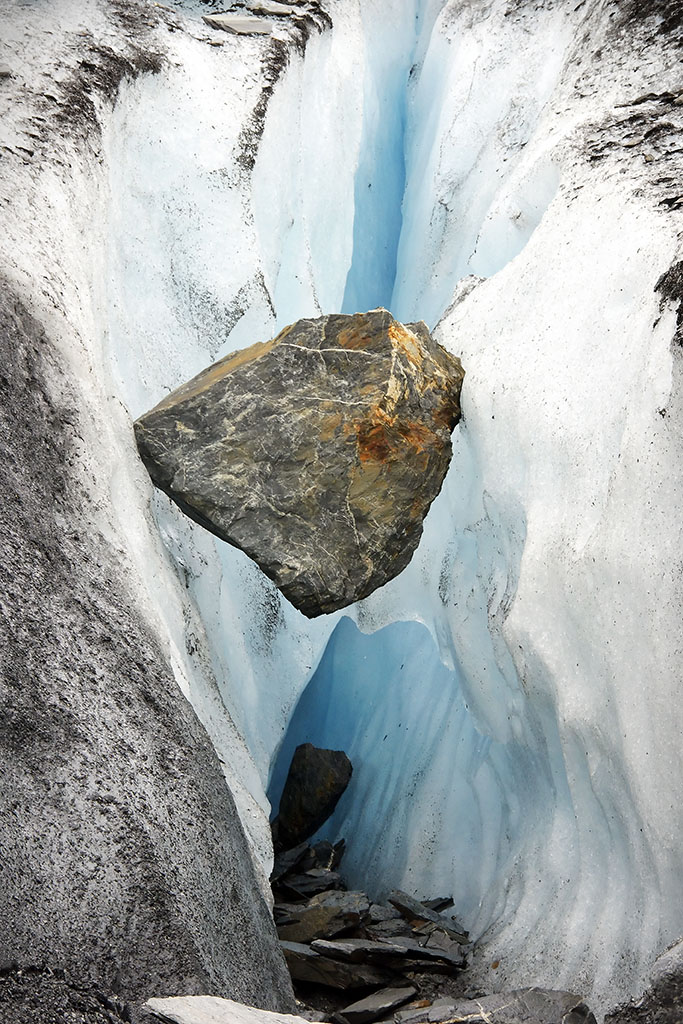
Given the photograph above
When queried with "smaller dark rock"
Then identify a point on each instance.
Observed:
(306, 965)
(316, 780)
(375, 1006)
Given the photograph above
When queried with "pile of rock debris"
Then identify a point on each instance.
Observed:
(355, 961)
(342, 942)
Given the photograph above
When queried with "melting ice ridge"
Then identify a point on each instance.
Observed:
(406, 151)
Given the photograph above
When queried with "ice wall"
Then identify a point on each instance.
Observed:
(533, 641)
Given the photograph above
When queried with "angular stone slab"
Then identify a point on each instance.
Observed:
(413, 910)
(324, 916)
(359, 951)
(306, 965)
(317, 453)
(214, 1010)
(375, 1006)
(239, 24)
(523, 1006)
(315, 881)
(388, 952)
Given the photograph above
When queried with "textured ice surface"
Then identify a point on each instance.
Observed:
(511, 701)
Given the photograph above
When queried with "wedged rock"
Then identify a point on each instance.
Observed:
(324, 916)
(523, 1006)
(662, 1003)
(240, 24)
(317, 453)
(375, 1006)
(316, 780)
(214, 1010)
(306, 965)
(414, 911)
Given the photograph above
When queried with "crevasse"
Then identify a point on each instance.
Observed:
(491, 697)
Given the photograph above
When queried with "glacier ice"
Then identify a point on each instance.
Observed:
(511, 700)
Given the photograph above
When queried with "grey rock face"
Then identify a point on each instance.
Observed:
(317, 453)
(123, 858)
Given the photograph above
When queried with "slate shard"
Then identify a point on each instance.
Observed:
(315, 782)
(317, 453)
(523, 1006)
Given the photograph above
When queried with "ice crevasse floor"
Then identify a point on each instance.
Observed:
(509, 702)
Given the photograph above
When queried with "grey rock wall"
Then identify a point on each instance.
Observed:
(123, 859)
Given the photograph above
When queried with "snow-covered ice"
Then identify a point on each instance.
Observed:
(506, 748)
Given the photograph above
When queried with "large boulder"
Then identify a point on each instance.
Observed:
(317, 453)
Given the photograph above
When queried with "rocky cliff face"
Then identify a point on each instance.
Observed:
(123, 856)
(124, 859)
(317, 453)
